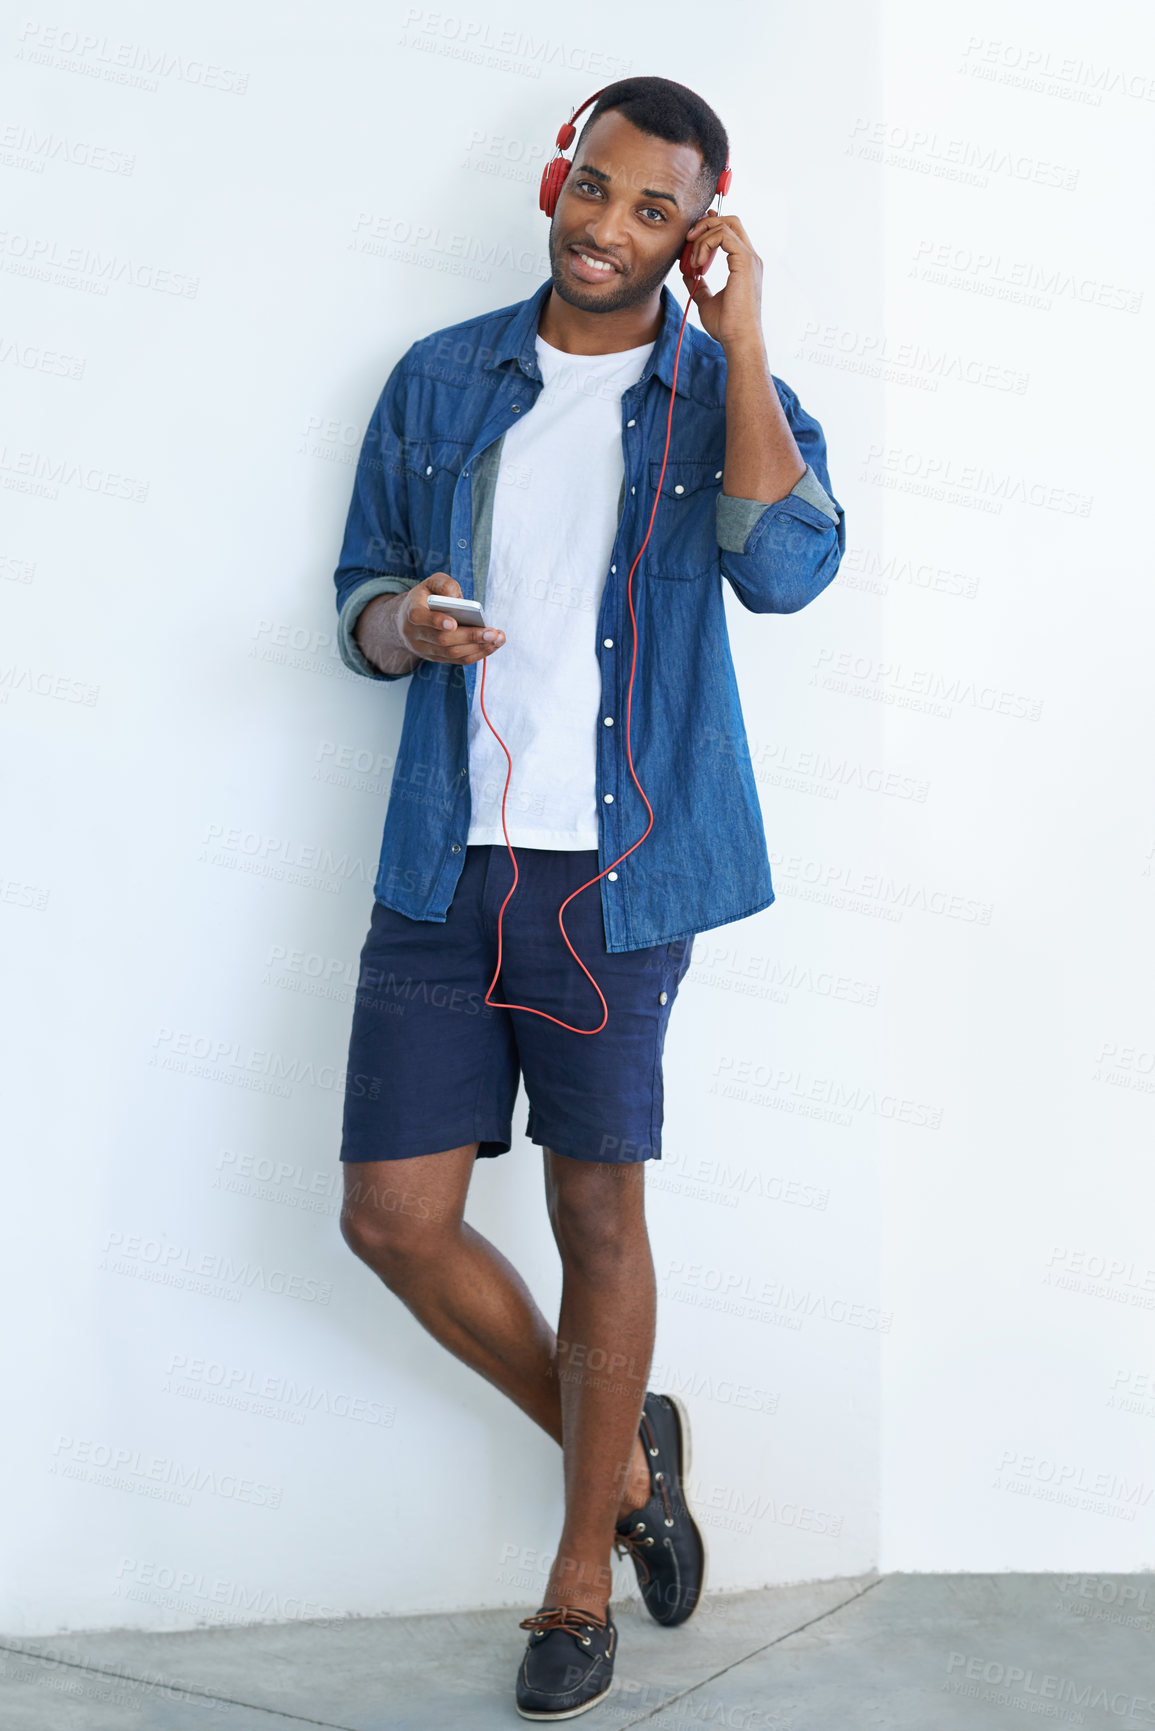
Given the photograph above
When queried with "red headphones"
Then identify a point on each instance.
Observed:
(554, 173)
(552, 180)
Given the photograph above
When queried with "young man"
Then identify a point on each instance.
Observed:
(514, 458)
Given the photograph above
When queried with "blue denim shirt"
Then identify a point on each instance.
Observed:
(423, 502)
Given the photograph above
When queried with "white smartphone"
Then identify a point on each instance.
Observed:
(465, 612)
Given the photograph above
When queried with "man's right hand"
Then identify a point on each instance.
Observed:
(438, 636)
(394, 632)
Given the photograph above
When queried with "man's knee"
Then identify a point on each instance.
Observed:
(393, 1229)
(597, 1217)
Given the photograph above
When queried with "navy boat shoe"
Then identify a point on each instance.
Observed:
(662, 1537)
(569, 1662)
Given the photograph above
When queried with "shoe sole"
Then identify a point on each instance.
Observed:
(568, 1712)
(684, 1437)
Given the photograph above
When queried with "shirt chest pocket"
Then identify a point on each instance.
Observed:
(432, 467)
(433, 460)
(683, 546)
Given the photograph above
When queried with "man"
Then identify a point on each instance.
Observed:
(514, 458)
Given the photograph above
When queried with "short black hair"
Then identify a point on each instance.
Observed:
(670, 111)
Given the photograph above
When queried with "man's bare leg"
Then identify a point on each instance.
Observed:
(606, 1340)
(405, 1220)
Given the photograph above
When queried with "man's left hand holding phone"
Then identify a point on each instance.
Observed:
(395, 632)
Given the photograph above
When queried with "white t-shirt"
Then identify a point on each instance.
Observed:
(555, 514)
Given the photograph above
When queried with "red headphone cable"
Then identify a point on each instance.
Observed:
(496, 1003)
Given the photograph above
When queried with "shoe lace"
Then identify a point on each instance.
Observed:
(652, 1445)
(629, 1543)
(571, 1618)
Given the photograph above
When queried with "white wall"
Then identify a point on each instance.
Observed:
(1018, 1387)
(185, 872)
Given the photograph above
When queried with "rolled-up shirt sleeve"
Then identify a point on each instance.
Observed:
(376, 557)
(779, 556)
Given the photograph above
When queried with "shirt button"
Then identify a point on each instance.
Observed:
(456, 847)
(464, 772)
(661, 997)
(461, 543)
(613, 569)
(607, 721)
(718, 476)
(516, 407)
(429, 470)
(613, 877)
(609, 798)
(633, 489)
(629, 423)
(607, 642)
(679, 489)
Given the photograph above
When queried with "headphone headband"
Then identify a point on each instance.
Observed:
(567, 131)
(554, 173)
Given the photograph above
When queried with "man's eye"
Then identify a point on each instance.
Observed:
(590, 186)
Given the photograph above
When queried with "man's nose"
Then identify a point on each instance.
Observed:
(607, 231)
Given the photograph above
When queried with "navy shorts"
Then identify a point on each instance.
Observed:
(433, 1067)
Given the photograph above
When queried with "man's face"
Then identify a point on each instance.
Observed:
(627, 200)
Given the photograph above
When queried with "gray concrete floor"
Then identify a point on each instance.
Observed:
(904, 1653)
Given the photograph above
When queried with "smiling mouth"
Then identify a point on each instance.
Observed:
(598, 264)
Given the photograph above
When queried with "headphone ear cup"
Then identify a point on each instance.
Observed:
(552, 181)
